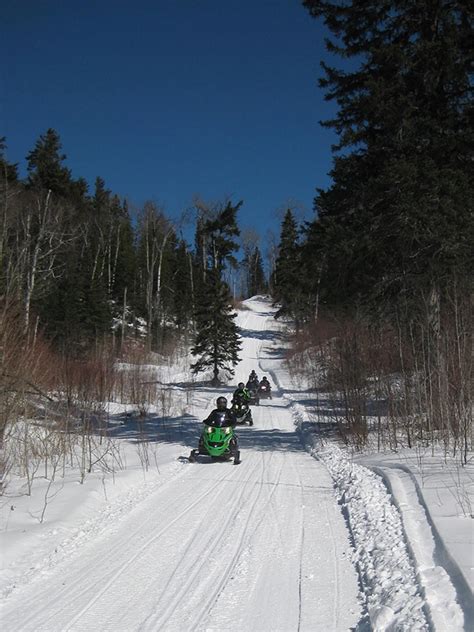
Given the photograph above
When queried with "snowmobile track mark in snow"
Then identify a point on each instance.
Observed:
(205, 611)
(117, 573)
(67, 591)
(159, 622)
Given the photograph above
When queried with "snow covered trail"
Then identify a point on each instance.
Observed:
(259, 546)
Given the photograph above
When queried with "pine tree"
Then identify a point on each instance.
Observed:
(399, 217)
(125, 269)
(45, 168)
(221, 231)
(256, 282)
(287, 282)
(10, 190)
(8, 171)
(183, 291)
(217, 342)
(216, 230)
(156, 241)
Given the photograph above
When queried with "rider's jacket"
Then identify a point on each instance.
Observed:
(221, 418)
(241, 394)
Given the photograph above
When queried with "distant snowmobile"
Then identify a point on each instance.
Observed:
(242, 413)
(264, 389)
(252, 389)
(254, 397)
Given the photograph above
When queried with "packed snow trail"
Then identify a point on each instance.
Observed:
(259, 546)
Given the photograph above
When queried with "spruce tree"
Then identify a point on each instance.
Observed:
(217, 341)
(8, 171)
(45, 166)
(286, 278)
(398, 218)
(221, 231)
(256, 283)
(183, 291)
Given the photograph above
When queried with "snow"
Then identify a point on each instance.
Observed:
(302, 535)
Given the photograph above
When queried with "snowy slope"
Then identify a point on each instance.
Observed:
(271, 544)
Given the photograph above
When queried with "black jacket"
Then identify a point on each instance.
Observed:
(221, 418)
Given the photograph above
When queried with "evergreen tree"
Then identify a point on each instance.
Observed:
(8, 171)
(215, 243)
(287, 279)
(11, 191)
(156, 241)
(399, 217)
(45, 168)
(215, 246)
(256, 283)
(183, 292)
(77, 313)
(217, 341)
(221, 231)
(125, 269)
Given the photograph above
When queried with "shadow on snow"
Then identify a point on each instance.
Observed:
(185, 430)
(261, 334)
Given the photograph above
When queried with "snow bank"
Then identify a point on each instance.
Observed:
(386, 572)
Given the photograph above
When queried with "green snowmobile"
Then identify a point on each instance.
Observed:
(217, 439)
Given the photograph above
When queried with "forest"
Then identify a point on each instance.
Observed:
(376, 290)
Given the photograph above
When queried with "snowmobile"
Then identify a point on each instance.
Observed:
(242, 413)
(264, 391)
(254, 398)
(219, 443)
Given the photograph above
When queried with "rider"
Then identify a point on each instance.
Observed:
(265, 383)
(222, 417)
(253, 377)
(241, 394)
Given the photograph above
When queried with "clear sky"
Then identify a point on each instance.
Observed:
(165, 99)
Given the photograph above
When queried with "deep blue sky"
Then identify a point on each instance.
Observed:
(169, 98)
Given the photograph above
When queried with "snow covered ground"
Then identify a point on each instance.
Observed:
(291, 539)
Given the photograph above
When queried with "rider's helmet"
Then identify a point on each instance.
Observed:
(221, 403)
(241, 385)
(264, 378)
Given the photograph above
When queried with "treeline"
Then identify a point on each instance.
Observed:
(381, 281)
(88, 288)
(81, 266)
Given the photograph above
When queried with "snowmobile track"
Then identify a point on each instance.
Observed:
(110, 578)
(232, 549)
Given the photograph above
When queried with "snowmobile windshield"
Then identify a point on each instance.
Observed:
(218, 418)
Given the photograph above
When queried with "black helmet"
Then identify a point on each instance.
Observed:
(221, 403)
(241, 385)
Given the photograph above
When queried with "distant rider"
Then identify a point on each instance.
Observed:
(253, 377)
(242, 397)
(265, 387)
(241, 394)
